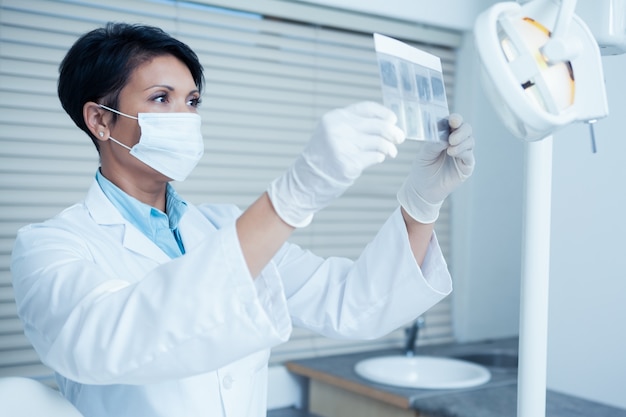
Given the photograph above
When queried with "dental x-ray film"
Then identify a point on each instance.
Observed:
(413, 88)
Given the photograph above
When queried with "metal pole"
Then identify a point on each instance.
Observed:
(533, 343)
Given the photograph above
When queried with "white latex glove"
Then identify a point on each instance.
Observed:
(437, 170)
(345, 142)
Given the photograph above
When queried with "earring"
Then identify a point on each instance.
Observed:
(101, 134)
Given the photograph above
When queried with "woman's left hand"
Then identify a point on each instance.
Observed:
(438, 169)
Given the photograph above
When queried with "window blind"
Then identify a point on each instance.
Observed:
(272, 69)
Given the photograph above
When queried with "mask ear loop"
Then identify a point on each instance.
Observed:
(121, 114)
(117, 112)
(119, 143)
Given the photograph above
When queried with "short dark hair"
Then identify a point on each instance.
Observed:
(99, 64)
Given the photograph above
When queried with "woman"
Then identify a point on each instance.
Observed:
(145, 305)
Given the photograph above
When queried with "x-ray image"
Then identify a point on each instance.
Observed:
(388, 73)
(441, 125)
(413, 88)
(406, 75)
(439, 91)
(424, 90)
(414, 120)
(430, 128)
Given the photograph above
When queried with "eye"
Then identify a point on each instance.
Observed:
(194, 102)
(160, 98)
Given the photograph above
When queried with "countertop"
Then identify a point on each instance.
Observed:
(496, 398)
(289, 412)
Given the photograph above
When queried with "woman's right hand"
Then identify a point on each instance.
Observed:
(346, 142)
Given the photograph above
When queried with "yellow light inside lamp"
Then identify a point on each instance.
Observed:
(553, 87)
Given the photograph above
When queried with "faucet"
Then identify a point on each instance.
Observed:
(411, 336)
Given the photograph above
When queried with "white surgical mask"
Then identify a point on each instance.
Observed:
(171, 143)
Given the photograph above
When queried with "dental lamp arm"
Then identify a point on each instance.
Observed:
(560, 48)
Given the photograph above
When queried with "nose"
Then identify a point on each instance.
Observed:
(181, 106)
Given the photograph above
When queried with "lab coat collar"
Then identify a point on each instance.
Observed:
(104, 213)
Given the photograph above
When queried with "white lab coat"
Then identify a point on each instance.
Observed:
(131, 332)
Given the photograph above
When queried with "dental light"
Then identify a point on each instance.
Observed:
(541, 66)
(541, 70)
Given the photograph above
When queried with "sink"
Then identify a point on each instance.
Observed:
(429, 372)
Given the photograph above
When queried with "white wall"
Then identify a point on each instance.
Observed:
(587, 342)
(453, 14)
(486, 218)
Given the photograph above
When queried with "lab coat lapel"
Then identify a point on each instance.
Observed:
(138, 242)
(194, 227)
(104, 213)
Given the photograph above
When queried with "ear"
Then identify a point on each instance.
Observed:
(97, 120)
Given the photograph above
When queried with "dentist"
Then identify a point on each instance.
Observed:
(146, 305)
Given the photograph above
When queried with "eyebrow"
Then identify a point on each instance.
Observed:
(170, 88)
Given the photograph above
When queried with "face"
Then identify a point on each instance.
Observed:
(162, 85)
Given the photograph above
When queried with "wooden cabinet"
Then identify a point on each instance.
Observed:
(332, 396)
(332, 401)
